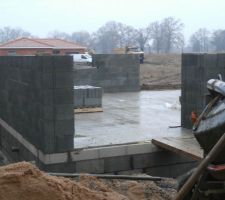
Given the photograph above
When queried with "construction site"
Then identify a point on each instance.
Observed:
(116, 129)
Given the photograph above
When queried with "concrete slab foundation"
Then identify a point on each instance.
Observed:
(129, 118)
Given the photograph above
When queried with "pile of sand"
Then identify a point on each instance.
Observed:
(23, 181)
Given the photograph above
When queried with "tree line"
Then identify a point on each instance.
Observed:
(163, 36)
(205, 41)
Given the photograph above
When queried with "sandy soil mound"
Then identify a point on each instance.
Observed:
(23, 181)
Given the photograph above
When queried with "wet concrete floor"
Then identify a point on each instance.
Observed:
(129, 118)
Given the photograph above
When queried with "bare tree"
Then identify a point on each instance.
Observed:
(156, 35)
(112, 35)
(126, 35)
(8, 33)
(166, 35)
(82, 37)
(200, 40)
(172, 34)
(142, 36)
(159, 36)
(59, 35)
(106, 38)
(218, 40)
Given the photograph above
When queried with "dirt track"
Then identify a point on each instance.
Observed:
(161, 71)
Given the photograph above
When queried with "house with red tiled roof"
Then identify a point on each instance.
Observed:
(36, 46)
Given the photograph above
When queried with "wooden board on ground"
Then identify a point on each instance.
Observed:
(88, 110)
(185, 145)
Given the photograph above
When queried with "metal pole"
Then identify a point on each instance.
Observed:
(105, 176)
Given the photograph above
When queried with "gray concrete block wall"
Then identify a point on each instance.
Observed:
(197, 69)
(113, 159)
(112, 72)
(169, 165)
(8, 142)
(36, 95)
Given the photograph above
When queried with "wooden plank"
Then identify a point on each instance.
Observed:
(88, 110)
(187, 146)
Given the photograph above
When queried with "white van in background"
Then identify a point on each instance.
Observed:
(82, 58)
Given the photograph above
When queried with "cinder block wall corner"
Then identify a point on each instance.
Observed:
(197, 69)
(36, 102)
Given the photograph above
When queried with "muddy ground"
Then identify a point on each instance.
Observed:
(161, 71)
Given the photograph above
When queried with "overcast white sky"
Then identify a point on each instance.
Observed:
(42, 16)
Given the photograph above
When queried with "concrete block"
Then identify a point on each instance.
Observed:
(152, 160)
(78, 100)
(36, 78)
(25, 76)
(141, 148)
(172, 171)
(221, 60)
(63, 79)
(67, 167)
(64, 127)
(43, 64)
(90, 166)
(112, 151)
(115, 164)
(63, 63)
(63, 143)
(64, 112)
(130, 172)
(56, 158)
(85, 154)
(56, 96)
(47, 80)
(64, 96)
(46, 96)
(16, 74)
(47, 112)
(87, 96)
(108, 68)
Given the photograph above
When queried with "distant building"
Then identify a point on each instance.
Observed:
(36, 46)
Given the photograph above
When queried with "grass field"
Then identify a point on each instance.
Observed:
(161, 71)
